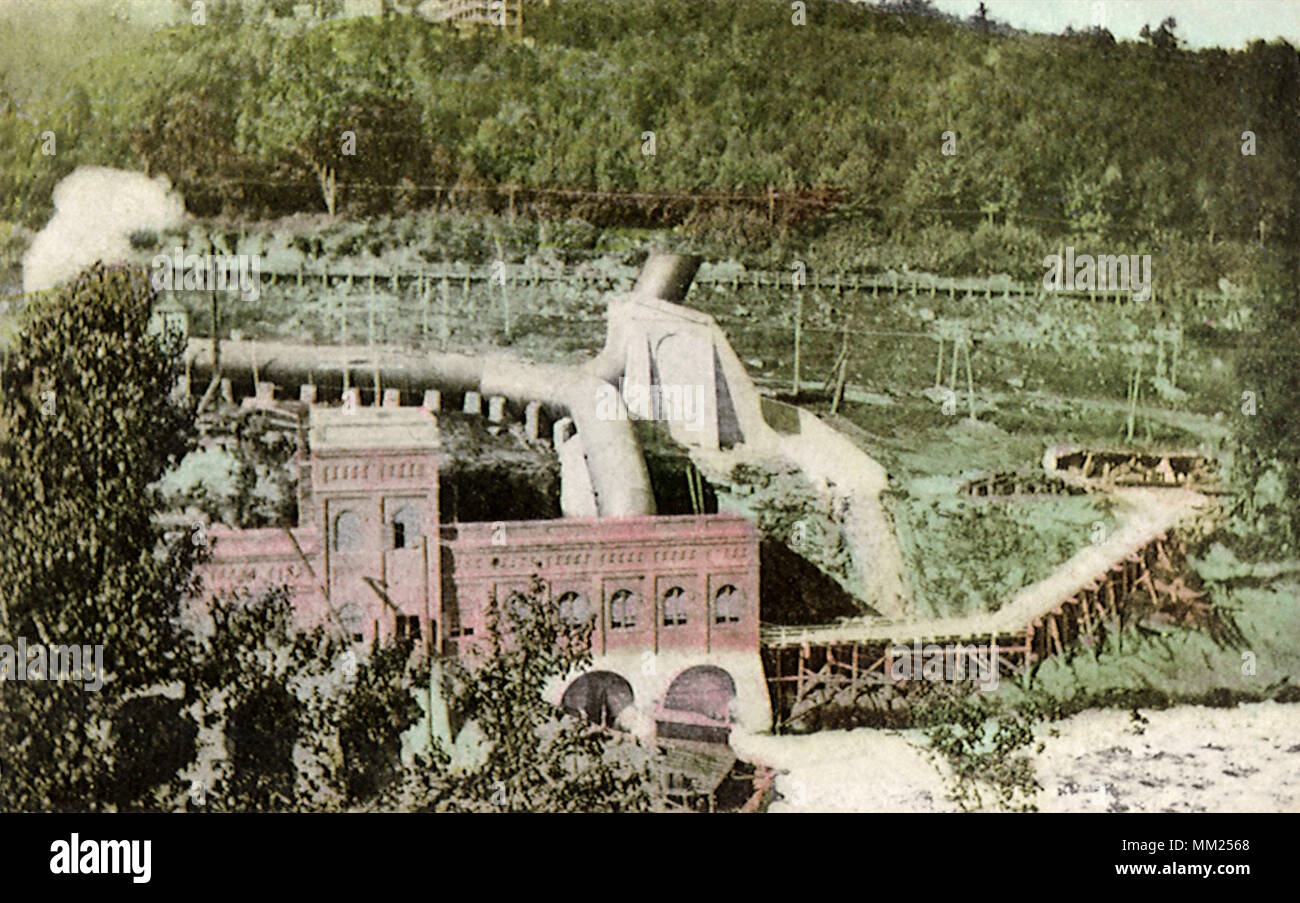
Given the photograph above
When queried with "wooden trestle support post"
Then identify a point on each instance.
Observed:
(809, 677)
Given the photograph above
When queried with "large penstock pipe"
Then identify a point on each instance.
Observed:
(667, 277)
(618, 472)
(614, 460)
(664, 277)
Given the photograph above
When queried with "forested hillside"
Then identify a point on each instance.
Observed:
(1058, 139)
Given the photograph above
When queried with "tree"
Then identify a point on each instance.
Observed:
(330, 102)
(986, 749)
(1163, 38)
(912, 8)
(537, 759)
(1268, 431)
(307, 721)
(87, 428)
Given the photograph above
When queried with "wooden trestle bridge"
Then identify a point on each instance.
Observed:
(815, 673)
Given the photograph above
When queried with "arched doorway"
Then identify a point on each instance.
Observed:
(599, 697)
(701, 698)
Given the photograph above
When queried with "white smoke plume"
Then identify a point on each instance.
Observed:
(95, 211)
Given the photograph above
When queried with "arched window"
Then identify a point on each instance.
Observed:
(674, 607)
(622, 611)
(727, 605)
(573, 608)
(405, 528)
(352, 618)
(347, 531)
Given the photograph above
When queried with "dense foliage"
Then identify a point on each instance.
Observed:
(1071, 137)
(986, 751)
(87, 427)
(533, 761)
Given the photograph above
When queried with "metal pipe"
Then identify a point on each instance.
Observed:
(618, 473)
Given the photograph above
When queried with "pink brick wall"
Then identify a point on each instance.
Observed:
(712, 560)
(599, 559)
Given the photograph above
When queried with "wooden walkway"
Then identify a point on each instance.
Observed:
(850, 663)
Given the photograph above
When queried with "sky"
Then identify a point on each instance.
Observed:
(1230, 24)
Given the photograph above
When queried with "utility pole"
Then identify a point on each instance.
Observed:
(798, 336)
(216, 347)
(970, 383)
(1133, 396)
(841, 370)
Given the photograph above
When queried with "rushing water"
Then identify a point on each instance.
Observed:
(1183, 759)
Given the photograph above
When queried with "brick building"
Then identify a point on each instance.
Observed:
(673, 601)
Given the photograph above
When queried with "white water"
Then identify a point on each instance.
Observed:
(1186, 759)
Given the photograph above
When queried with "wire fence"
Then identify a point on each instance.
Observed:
(431, 293)
(408, 277)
